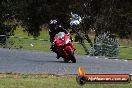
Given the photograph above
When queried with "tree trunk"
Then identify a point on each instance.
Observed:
(82, 42)
(88, 40)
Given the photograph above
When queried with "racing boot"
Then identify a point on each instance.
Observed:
(58, 56)
(52, 49)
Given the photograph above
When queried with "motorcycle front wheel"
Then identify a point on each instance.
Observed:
(71, 56)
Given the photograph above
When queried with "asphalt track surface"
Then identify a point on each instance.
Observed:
(31, 62)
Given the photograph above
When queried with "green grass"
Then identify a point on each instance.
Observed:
(49, 81)
(125, 53)
(125, 42)
(27, 44)
(20, 33)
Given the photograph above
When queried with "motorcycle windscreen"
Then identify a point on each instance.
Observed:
(60, 35)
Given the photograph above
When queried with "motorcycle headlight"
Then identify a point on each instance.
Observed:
(67, 41)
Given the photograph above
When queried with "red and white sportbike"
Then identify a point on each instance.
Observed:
(64, 47)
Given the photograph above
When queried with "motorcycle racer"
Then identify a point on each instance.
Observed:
(55, 28)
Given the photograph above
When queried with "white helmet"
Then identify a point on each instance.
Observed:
(53, 22)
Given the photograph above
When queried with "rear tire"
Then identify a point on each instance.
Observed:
(71, 56)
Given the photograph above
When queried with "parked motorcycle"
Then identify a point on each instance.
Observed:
(64, 47)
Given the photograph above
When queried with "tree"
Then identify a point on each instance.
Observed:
(114, 16)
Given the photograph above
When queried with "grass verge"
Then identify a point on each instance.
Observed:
(125, 53)
(49, 81)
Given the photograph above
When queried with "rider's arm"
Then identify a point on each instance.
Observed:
(63, 29)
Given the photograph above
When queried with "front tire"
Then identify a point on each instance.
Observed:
(71, 56)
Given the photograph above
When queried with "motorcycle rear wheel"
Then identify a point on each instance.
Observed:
(66, 60)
